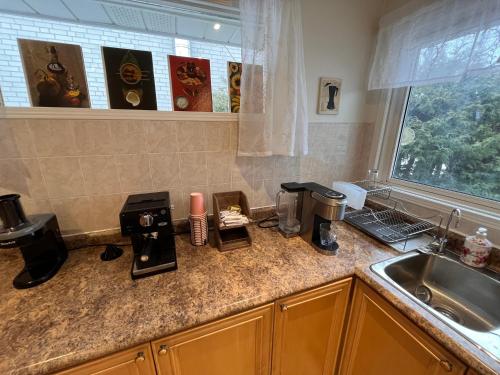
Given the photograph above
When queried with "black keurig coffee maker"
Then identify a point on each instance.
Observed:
(146, 219)
(38, 237)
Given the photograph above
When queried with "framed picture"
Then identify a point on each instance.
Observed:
(130, 78)
(191, 85)
(234, 78)
(55, 74)
(329, 96)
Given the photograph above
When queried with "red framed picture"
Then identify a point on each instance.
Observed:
(190, 82)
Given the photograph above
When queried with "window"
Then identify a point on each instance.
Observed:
(91, 38)
(450, 137)
(182, 47)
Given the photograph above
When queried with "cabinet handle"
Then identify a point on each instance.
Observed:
(284, 307)
(446, 365)
(140, 357)
(163, 350)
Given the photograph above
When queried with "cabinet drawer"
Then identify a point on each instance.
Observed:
(135, 361)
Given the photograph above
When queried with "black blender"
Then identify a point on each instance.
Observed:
(37, 236)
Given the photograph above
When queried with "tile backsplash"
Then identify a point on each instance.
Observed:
(84, 169)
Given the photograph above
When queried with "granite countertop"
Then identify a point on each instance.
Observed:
(93, 308)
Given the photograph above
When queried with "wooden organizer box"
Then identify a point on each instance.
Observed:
(236, 236)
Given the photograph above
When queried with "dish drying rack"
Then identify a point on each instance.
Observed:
(389, 225)
(375, 188)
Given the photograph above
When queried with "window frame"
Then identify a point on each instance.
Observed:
(395, 103)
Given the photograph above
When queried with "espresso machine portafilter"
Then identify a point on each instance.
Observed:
(317, 204)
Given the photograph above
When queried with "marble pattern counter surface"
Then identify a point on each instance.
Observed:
(93, 308)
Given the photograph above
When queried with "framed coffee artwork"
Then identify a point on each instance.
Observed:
(329, 96)
(191, 85)
(55, 74)
(130, 78)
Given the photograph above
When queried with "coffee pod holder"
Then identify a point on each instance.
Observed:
(234, 236)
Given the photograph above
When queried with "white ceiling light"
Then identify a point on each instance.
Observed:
(217, 26)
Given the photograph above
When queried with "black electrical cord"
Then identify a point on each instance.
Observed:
(100, 244)
(269, 222)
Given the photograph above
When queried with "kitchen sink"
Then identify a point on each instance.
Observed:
(466, 299)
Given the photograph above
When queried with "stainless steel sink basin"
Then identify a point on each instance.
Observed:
(466, 299)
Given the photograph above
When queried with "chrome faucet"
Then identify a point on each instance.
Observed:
(440, 242)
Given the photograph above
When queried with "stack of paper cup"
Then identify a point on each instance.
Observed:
(198, 220)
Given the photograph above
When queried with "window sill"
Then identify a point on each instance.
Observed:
(112, 114)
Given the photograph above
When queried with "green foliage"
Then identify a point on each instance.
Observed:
(220, 100)
(457, 137)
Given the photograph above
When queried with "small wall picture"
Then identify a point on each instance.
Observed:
(55, 74)
(191, 85)
(329, 96)
(234, 78)
(130, 78)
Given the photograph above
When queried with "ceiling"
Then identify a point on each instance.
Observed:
(192, 19)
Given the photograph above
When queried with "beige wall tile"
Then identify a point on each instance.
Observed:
(287, 166)
(100, 175)
(161, 137)
(54, 137)
(218, 136)
(73, 214)
(242, 171)
(193, 168)
(104, 211)
(176, 199)
(264, 193)
(192, 136)
(36, 206)
(233, 142)
(16, 140)
(128, 137)
(264, 168)
(158, 155)
(22, 176)
(219, 165)
(63, 177)
(165, 171)
(93, 137)
(134, 173)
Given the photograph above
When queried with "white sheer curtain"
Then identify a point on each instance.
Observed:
(273, 111)
(440, 41)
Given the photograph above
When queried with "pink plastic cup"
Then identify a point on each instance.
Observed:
(197, 204)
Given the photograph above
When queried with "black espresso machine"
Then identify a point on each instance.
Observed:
(146, 218)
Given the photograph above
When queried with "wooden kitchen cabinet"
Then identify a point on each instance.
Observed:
(237, 345)
(308, 330)
(135, 361)
(380, 340)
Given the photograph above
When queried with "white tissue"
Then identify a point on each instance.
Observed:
(356, 195)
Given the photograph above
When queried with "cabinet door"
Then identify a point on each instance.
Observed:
(380, 340)
(237, 345)
(308, 329)
(135, 361)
